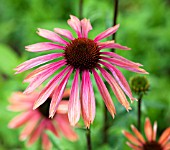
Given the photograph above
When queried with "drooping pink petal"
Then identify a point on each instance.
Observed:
(148, 129)
(133, 146)
(87, 99)
(46, 142)
(164, 137)
(44, 46)
(51, 126)
(131, 138)
(136, 69)
(51, 36)
(167, 146)
(64, 32)
(63, 107)
(74, 101)
(30, 126)
(111, 44)
(86, 27)
(64, 126)
(92, 105)
(45, 93)
(114, 55)
(105, 94)
(20, 119)
(116, 89)
(38, 80)
(124, 65)
(58, 94)
(43, 69)
(75, 23)
(36, 61)
(154, 131)
(37, 133)
(138, 134)
(106, 33)
(120, 79)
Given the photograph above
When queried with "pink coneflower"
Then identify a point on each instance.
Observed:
(138, 142)
(82, 56)
(37, 121)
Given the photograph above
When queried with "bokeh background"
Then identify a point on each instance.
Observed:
(144, 26)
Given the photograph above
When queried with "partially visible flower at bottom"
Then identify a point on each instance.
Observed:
(37, 121)
(138, 142)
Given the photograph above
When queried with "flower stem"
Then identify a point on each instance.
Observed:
(106, 119)
(115, 14)
(139, 110)
(88, 137)
(80, 9)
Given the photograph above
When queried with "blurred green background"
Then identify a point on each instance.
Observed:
(144, 26)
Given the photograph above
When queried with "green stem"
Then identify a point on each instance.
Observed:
(88, 137)
(139, 110)
(80, 9)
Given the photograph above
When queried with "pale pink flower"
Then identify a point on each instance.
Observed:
(83, 57)
(138, 141)
(37, 121)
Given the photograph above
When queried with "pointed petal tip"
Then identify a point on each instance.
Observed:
(123, 132)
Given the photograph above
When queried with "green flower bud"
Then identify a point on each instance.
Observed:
(139, 84)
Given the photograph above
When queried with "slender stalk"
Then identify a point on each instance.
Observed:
(139, 110)
(115, 14)
(80, 9)
(106, 120)
(88, 137)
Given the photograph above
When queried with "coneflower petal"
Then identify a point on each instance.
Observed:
(114, 55)
(105, 94)
(154, 131)
(106, 33)
(133, 146)
(36, 61)
(124, 65)
(75, 23)
(37, 132)
(58, 94)
(64, 32)
(120, 79)
(46, 92)
(87, 99)
(37, 81)
(63, 124)
(43, 69)
(51, 36)
(44, 46)
(111, 44)
(131, 138)
(148, 129)
(46, 142)
(20, 119)
(30, 126)
(116, 89)
(164, 137)
(86, 27)
(138, 134)
(74, 101)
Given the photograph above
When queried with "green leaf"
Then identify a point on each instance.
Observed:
(8, 60)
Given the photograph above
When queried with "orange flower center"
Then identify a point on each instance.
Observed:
(82, 53)
(152, 146)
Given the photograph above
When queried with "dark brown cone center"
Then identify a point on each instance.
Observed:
(44, 108)
(82, 53)
(152, 146)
